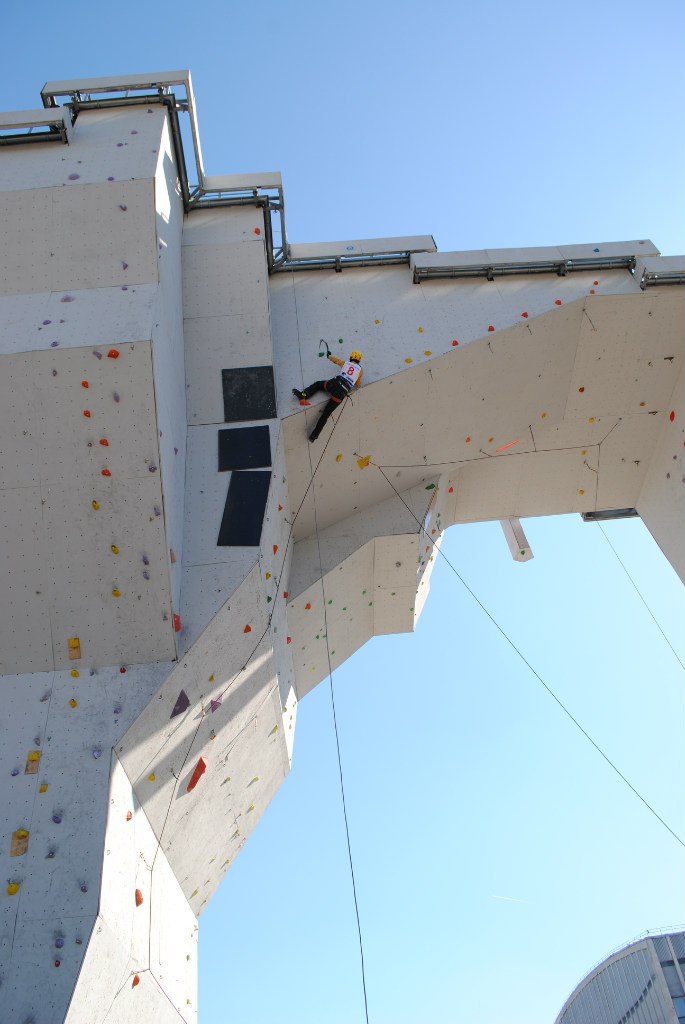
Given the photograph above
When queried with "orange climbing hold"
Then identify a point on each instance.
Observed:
(139, 898)
(303, 401)
(136, 981)
(129, 815)
(104, 442)
(307, 607)
(113, 353)
(200, 769)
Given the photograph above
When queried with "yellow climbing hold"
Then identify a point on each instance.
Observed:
(114, 549)
(116, 592)
(95, 505)
(376, 321)
(591, 420)
(13, 888)
(211, 679)
(151, 777)
(584, 451)
(420, 330)
(338, 457)
(408, 360)
(581, 492)
(250, 808)
(364, 461)
(43, 788)
(268, 576)
(542, 415)
(428, 353)
(73, 703)
(74, 673)
(275, 729)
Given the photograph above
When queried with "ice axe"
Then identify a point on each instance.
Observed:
(328, 351)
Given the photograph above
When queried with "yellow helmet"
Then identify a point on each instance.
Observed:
(355, 356)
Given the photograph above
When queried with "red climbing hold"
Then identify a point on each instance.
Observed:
(248, 629)
(177, 623)
(524, 315)
(581, 390)
(200, 769)
(672, 415)
(491, 328)
(139, 898)
(136, 981)
(104, 442)
(86, 413)
(451, 490)
(113, 353)
(288, 639)
(275, 548)
(106, 472)
(85, 384)
(557, 302)
(455, 342)
(257, 231)
(307, 607)
(280, 508)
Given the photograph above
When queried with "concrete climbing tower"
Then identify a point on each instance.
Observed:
(177, 559)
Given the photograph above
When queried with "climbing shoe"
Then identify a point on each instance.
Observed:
(299, 395)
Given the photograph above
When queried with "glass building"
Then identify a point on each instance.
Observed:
(641, 984)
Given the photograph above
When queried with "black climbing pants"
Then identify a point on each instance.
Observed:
(338, 393)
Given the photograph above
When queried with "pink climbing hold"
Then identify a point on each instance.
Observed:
(200, 769)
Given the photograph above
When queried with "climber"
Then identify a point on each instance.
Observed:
(337, 388)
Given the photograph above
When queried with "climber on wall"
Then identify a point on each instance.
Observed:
(337, 388)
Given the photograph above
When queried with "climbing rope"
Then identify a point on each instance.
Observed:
(530, 667)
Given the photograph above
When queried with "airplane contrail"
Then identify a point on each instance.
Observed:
(509, 899)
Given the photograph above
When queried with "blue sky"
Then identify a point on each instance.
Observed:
(484, 125)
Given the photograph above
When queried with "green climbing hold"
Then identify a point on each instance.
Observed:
(268, 599)
(429, 487)
(317, 637)
(331, 601)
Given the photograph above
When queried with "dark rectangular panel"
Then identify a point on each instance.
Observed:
(244, 448)
(249, 393)
(241, 525)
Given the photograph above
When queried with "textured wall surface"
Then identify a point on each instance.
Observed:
(179, 562)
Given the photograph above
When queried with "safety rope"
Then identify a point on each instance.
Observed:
(528, 664)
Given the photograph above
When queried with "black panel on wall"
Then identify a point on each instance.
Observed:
(244, 448)
(249, 393)
(241, 525)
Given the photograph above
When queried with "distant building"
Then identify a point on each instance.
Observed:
(641, 984)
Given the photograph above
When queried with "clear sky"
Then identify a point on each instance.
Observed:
(497, 856)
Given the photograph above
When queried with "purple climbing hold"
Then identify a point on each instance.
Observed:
(134, 131)
(46, 322)
(98, 355)
(146, 560)
(215, 704)
(124, 287)
(146, 574)
(67, 298)
(74, 177)
(117, 710)
(110, 178)
(15, 772)
(124, 265)
(124, 208)
(59, 943)
(97, 753)
(115, 396)
(158, 510)
(175, 451)
(152, 468)
(84, 887)
(57, 818)
(54, 344)
(119, 144)
(182, 704)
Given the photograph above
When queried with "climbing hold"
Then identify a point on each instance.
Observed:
(116, 592)
(430, 487)
(420, 330)
(285, 594)
(595, 282)
(95, 505)
(491, 328)
(467, 440)
(32, 762)
(182, 704)
(584, 451)
(73, 703)
(74, 673)
(113, 353)
(211, 679)
(455, 342)
(177, 623)
(288, 640)
(105, 472)
(152, 468)
(280, 508)
(275, 548)
(129, 815)
(257, 231)
(275, 729)
(104, 442)
(428, 353)
(200, 769)
(267, 576)
(524, 315)
(451, 490)
(74, 645)
(338, 457)
(114, 549)
(303, 401)
(671, 415)
(115, 396)
(85, 384)
(307, 607)
(13, 888)
(97, 753)
(215, 704)
(139, 898)
(151, 777)
(135, 981)
(542, 415)
(250, 808)
(364, 461)
(581, 391)
(557, 302)
(591, 419)
(43, 788)
(122, 670)
(581, 492)
(248, 629)
(86, 413)
(592, 291)
(20, 843)
(268, 599)
(408, 360)
(57, 819)
(252, 781)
